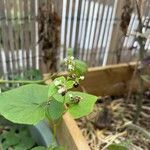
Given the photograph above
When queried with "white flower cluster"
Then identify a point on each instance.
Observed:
(61, 88)
(81, 77)
(69, 62)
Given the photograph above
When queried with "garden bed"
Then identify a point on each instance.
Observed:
(114, 80)
(110, 122)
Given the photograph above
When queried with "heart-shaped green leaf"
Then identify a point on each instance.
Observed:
(24, 104)
(52, 89)
(39, 148)
(69, 84)
(84, 107)
(80, 67)
(55, 109)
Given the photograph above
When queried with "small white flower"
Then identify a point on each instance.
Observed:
(70, 67)
(70, 95)
(65, 59)
(56, 83)
(72, 58)
(61, 90)
(82, 77)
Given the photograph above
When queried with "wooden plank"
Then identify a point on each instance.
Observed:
(80, 27)
(93, 30)
(97, 32)
(113, 12)
(84, 29)
(4, 37)
(33, 38)
(110, 80)
(70, 136)
(116, 33)
(16, 33)
(101, 81)
(37, 47)
(26, 31)
(1, 59)
(10, 34)
(21, 30)
(88, 31)
(102, 34)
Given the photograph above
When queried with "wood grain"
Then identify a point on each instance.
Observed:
(70, 136)
(109, 80)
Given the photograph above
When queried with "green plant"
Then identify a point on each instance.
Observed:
(15, 137)
(125, 145)
(31, 103)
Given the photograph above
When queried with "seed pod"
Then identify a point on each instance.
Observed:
(76, 84)
(63, 93)
(76, 99)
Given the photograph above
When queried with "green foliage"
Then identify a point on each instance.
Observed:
(18, 141)
(117, 147)
(70, 52)
(146, 78)
(58, 148)
(80, 67)
(32, 74)
(125, 145)
(25, 104)
(85, 105)
(39, 148)
(55, 110)
(31, 103)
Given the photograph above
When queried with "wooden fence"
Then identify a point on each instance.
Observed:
(90, 27)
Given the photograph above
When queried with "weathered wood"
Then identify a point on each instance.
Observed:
(4, 36)
(70, 136)
(26, 31)
(10, 35)
(33, 34)
(110, 80)
(16, 34)
(116, 34)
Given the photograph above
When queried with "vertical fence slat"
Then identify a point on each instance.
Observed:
(10, 34)
(116, 33)
(106, 55)
(4, 52)
(63, 29)
(75, 24)
(87, 36)
(101, 36)
(26, 31)
(93, 30)
(81, 47)
(107, 31)
(69, 17)
(33, 34)
(22, 61)
(78, 40)
(16, 33)
(98, 27)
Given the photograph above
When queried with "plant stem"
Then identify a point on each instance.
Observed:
(141, 70)
(21, 81)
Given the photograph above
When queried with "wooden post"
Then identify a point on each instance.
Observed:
(116, 33)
